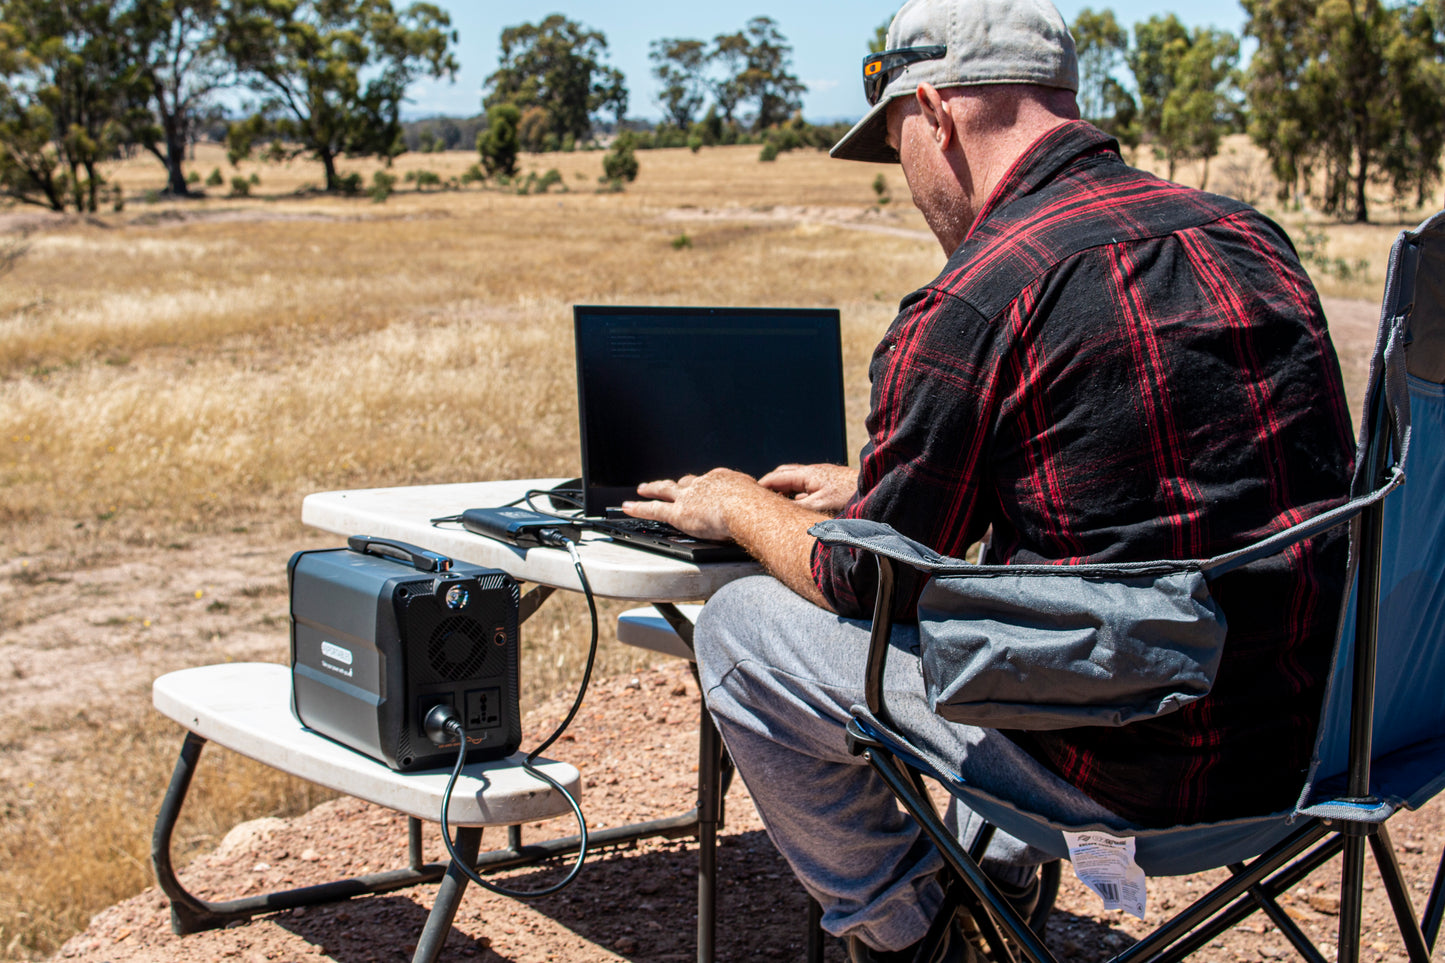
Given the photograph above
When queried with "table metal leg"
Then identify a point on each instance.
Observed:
(709, 818)
(713, 774)
(815, 931)
(191, 914)
(448, 898)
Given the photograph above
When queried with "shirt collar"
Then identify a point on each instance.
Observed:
(1043, 160)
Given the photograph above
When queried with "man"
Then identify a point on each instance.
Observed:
(1110, 367)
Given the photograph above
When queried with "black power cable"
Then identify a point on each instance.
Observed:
(442, 724)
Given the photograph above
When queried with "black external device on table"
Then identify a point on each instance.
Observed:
(670, 391)
(382, 631)
(517, 526)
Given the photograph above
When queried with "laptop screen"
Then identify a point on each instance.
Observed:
(666, 392)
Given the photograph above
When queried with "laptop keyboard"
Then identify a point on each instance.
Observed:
(641, 526)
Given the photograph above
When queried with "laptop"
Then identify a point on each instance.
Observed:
(664, 392)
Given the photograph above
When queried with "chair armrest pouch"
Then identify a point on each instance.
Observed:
(1055, 646)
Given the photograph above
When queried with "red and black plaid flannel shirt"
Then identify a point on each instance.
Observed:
(1112, 367)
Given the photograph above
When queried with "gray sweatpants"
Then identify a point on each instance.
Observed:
(780, 675)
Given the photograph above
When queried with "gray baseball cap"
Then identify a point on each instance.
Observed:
(960, 43)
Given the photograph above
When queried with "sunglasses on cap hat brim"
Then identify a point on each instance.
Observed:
(877, 68)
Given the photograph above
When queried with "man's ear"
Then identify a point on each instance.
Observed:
(935, 111)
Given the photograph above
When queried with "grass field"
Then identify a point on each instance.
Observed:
(179, 370)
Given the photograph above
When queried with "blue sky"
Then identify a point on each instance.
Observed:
(828, 39)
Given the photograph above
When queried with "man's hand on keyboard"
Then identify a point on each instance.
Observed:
(822, 488)
(696, 504)
(727, 504)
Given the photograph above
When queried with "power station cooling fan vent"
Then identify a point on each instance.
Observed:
(457, 648)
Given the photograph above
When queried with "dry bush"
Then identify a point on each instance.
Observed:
(1242, 171)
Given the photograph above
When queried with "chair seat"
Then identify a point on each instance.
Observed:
(1173, 851)
(246, 707)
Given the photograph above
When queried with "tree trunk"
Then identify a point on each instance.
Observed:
(1362, 214)
(175, 160)
(328, 160)
(92, 185)
(77, 197)
(54, 197)
(1204, 178)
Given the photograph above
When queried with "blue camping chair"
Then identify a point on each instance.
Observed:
(1380, 745)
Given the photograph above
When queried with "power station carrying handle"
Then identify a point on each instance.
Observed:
(418, 558)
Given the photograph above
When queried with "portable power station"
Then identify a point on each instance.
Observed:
(382, 631)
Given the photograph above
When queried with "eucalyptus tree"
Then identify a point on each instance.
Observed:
(177, 49)
(66, 91)
(680, 66)
(555, 70)
(332, 74)
(1346, 95)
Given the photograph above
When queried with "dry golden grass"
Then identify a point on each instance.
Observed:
(70, 849)
(243, 353)
(177, 369)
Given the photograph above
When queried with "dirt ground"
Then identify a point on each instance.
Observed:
(116, 621)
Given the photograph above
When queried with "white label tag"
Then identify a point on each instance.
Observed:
(1106, 865)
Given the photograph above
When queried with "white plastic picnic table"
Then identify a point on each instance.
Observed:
(615, 571)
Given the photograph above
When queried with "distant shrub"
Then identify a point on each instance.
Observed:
(710, 128)
(551, 177)
(498, 144)
(681, 241)
(423, 179)
(240, 187)
(382, 184)
(349, 184)
(255, 179)
(214, 178)
(769, 152)
(667, 135)
(1312, 252)
(194, 177)
(694, 143)
(117, 198)
(473, 175)
(787, 138)
(611, 187)
(620, 164)
(880, 188)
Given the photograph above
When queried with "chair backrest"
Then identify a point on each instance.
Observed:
(1408, 731)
